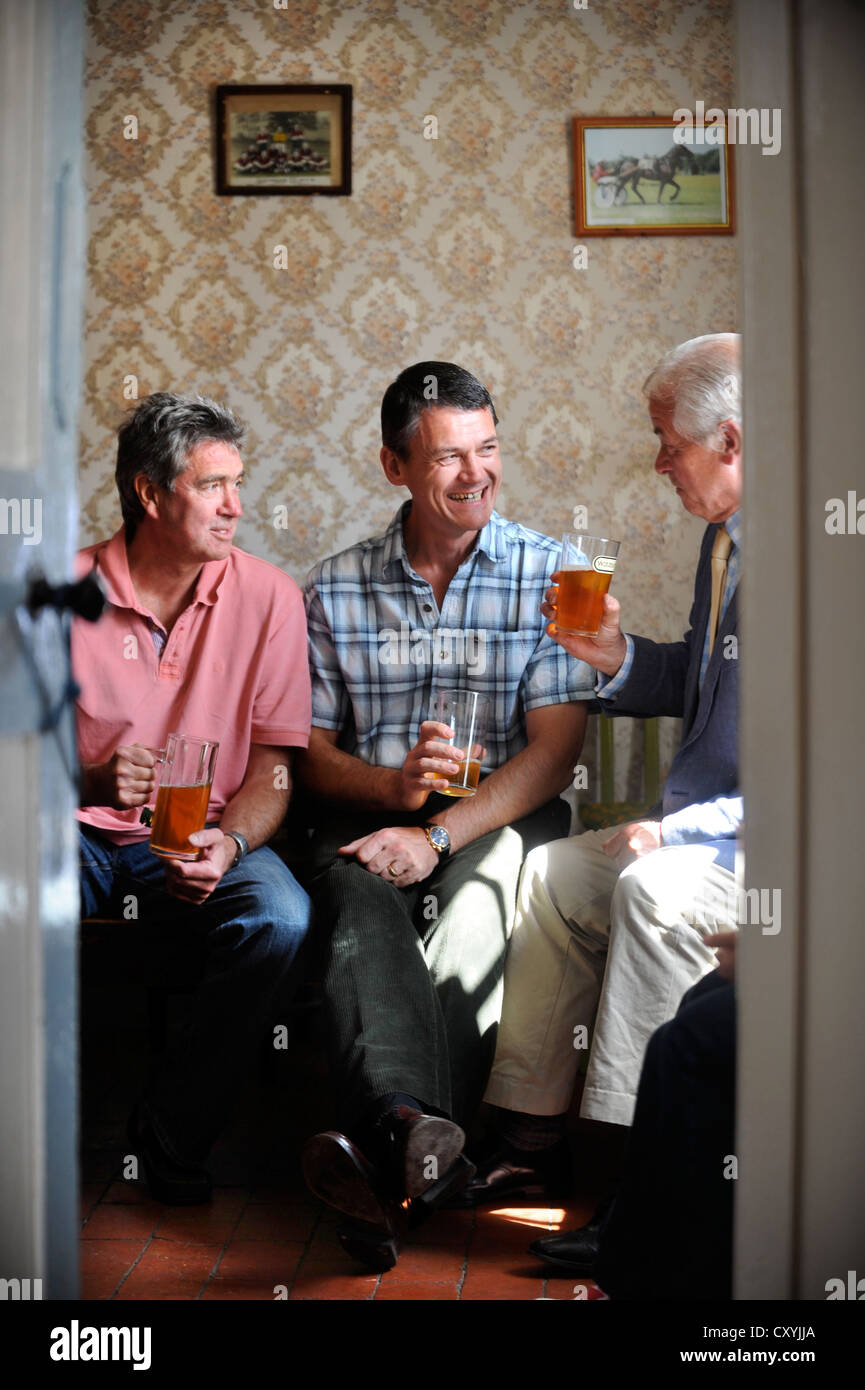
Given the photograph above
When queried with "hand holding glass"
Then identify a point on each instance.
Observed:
(584, 577)
(466, 713)
(186, 776)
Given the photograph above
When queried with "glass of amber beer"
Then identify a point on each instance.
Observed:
(187, 766)
(467, 713)
(584, 577)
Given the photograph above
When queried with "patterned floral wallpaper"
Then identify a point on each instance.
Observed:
(457, 248)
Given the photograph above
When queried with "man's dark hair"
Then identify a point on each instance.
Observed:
(157, 438)
(425, 386)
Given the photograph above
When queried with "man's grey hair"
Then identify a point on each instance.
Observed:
(702, 381)
(157, 438)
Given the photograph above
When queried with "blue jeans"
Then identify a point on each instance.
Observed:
(247, 934)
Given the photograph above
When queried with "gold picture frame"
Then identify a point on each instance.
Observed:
(286, 140)
(619, 162)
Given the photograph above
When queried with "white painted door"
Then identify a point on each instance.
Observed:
(801, 1105)
(41, 237)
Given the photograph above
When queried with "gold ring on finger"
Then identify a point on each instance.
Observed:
(394, 873)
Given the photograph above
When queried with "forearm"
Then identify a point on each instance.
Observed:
(329, 774)
(257, 809)
(653, 682)
(527, 781)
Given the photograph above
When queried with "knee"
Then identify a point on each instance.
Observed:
(549, 870)
(633, 902)
(279, 908)
(358, 910)
(277, 939)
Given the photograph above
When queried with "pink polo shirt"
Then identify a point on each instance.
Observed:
(233, 668)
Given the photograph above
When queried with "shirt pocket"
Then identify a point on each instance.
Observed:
(498, 661)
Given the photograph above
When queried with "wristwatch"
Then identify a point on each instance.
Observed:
(242, 846)
(438, 838)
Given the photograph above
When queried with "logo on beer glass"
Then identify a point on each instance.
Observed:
(186, 767)
(585, 572)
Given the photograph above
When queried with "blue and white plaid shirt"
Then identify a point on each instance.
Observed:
(380, 649)
(611, 685)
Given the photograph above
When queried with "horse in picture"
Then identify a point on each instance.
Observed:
(661, 170)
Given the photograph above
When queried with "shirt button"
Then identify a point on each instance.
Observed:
(427, 608)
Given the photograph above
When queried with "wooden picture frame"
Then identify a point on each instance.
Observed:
(620, 162)
(287, 140)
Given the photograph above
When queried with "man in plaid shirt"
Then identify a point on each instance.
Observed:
(417, 889)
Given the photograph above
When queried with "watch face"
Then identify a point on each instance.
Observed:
(439, 836)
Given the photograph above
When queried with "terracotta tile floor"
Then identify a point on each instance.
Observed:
(252, 1246)
(262, 1237)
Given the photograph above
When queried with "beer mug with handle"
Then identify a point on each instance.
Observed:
(185, 775)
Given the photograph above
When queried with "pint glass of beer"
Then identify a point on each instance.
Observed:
(467, 713)
(585, 573)
(187, 766)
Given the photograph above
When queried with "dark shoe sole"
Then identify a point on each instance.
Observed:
(339, 1175)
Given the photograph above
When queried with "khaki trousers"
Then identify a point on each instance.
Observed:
(596, 940)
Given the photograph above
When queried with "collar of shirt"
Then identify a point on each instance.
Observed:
(113, 565)
(393, 557)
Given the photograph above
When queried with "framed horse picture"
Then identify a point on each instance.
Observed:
(652, 176)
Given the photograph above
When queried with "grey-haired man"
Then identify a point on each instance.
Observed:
(611, 925)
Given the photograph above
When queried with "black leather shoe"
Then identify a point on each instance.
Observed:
(511, 1172)
(175, 1184)
(575, 1251)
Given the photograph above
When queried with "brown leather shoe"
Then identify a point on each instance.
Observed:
(338, 1173)
(511, 1172)
(377, 1247)
(418, 1157)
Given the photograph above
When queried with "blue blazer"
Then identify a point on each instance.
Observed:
(701, 797)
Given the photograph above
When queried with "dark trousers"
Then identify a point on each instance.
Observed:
(246, 935)
(413, 975)
(670, 1232)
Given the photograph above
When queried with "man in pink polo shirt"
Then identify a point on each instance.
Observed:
(198, 638)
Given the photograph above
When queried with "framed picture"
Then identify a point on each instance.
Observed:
(283, 139)
(650, 176)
